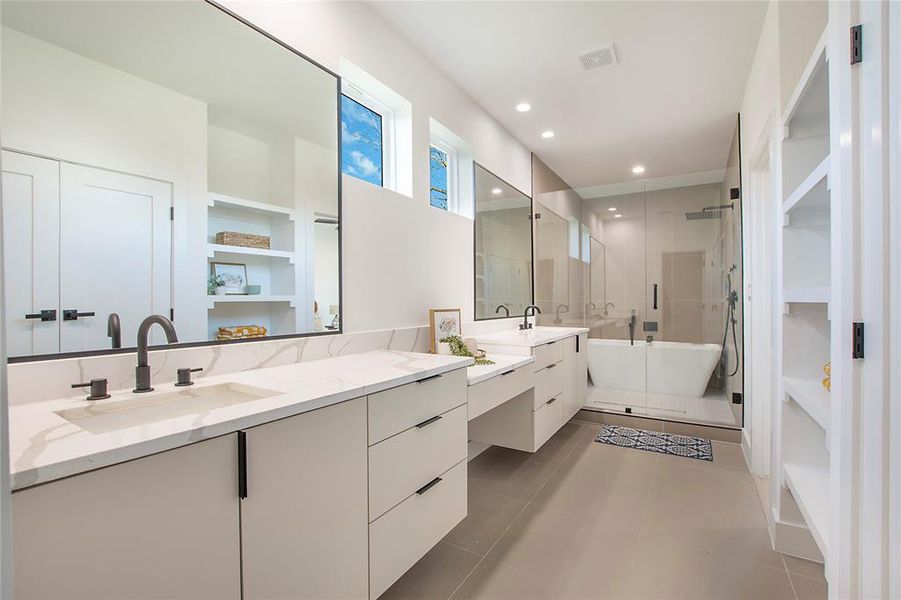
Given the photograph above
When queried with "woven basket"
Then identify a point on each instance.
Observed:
(245, 240)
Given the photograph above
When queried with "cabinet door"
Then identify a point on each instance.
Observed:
(164, 526)
(30, 253)
(115, 253)
(304, 520)
(570, 366)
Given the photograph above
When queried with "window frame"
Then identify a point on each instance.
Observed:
(367, 100)
(453, 187)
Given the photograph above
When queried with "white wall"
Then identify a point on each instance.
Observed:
(400, 256)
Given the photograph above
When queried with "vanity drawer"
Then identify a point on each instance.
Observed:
(404, 534)
(495, 391)
(400, 408)
(407, 461)
(545, 355)
(548, 384)
(546, 420)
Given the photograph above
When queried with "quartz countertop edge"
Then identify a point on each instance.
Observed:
(44, 446)
(502, 363)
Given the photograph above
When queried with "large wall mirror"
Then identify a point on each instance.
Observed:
(503, 247)
(163, 158)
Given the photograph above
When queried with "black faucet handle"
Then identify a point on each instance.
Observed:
(184, 376)
(98, 388)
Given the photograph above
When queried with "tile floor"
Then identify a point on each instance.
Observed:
(580, 519)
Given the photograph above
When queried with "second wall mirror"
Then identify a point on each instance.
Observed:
(503, 247)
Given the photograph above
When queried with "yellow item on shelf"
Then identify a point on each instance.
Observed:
(827, 380)
(241, 332)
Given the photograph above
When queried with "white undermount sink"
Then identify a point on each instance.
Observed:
(142, 409)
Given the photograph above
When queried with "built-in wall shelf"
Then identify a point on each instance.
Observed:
(810, 295)
(809, 487)
(251, 206)
(248, 299)
(813, 192)
(811, 396)
(213, 249)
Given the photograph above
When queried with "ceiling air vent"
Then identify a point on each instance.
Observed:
(602, 57)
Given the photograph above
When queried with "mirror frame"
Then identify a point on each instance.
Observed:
(133, 349)
(475, 215)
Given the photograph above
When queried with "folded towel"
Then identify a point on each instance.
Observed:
(240, 332)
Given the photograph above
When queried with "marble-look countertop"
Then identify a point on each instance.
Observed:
(529, 338)
(502, 363)
(44, 446)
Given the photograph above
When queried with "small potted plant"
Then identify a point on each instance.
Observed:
(215, 285)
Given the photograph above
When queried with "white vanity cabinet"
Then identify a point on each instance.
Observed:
(303, 517)
(559, 375)
(417, 472)
(163, 526)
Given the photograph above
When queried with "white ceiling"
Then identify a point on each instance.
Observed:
(669, 104)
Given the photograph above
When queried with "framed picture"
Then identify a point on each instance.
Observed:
(442, 323)
(233, 274)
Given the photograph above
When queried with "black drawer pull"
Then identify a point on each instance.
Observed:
(551, 401)
(551, 366)
(429, 421)
(508, 372)
(242, 465)
(428, 378)
(428, 486)
(551, 343)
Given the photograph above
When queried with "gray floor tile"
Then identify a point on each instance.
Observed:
(436, 575)
(808, 568)
(489, 516)
(809, 588)
(509, 472)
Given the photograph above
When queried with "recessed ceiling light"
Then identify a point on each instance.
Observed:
(523, 107)
(612, 209)
(617, 216)
(638, 169)
(547, 134)
(496, 191)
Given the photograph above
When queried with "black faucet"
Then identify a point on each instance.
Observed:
(142, 371)
(525, 317)
(499, 307)
(114, 330)
(557, 319)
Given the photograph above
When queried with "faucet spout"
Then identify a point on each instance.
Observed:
(525, 316)
(502, 306)
(114, 330)
(142, 371)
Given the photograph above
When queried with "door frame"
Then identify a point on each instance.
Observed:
(761, 359)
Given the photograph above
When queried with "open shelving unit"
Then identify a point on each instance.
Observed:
(801, 494)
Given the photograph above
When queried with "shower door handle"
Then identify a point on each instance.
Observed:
(655, 296)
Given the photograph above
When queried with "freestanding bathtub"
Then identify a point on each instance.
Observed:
(678, 368)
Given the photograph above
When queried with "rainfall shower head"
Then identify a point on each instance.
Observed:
(709, 212)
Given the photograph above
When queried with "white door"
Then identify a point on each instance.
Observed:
(31, 254)
(115, 254)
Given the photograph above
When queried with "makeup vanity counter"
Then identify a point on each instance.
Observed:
(326, 478)
(523, 408)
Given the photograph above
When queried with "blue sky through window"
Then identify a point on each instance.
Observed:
(438, 178)
(361, 141)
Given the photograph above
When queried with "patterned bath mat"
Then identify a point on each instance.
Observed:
(652, 441)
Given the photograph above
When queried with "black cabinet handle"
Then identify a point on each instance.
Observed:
(577, 344)
(72, 314)
(428, 421)
(551, 366)
(44, 315)
(655, 296)
(551, 401)
(428, 486)
(428, 378)
(242, 465)
(508, 372)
